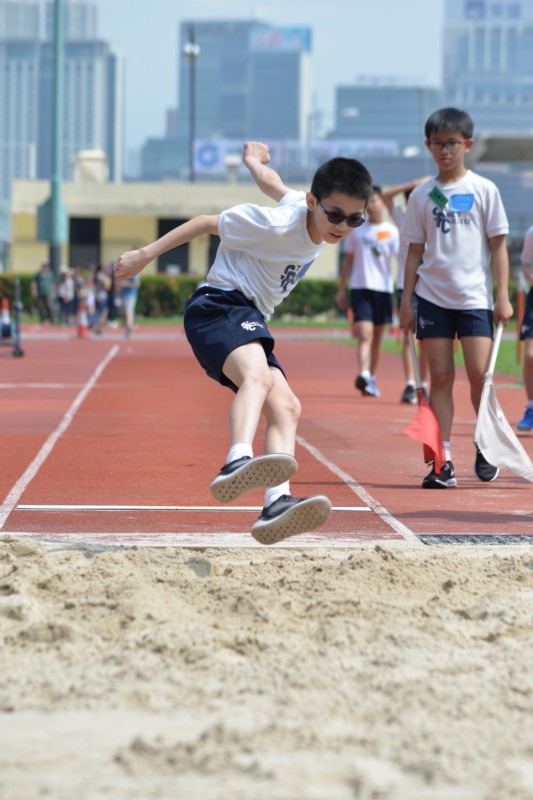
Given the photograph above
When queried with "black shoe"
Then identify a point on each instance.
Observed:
(288, 516)
(367, 386)
(484, 471)
(446, 479)
(409, 395)
(247, 473)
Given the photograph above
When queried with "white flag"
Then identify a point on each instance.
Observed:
(495, 437)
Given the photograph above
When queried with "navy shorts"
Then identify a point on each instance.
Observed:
(216, 322)
(434, 322)
(371, 306)
(526, 326)
(414, 299)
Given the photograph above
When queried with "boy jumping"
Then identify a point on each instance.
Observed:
(264, 252)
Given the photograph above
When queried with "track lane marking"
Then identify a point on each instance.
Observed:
(363, 495)
(38, 507)
(31, 471)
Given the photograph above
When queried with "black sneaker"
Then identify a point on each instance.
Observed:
(409, 395)
(288, 516)
(446, 479)
(484, 471)
(247, 473)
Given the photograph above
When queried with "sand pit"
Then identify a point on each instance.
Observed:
(398, 672)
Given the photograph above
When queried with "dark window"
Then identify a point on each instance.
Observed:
(177, 259)
(84, 241)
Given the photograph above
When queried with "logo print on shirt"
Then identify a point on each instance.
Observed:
(288, 277)
(251, 326)
(442, 220)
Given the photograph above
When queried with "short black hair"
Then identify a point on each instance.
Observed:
(449, 119)
(376, 189)
(345, 175)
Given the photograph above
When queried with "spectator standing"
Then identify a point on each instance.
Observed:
(43, 290)
(367, 266)
(397, 213)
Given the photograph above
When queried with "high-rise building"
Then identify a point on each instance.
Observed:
(251, 79)
(19, 19)
(488, 63)
(93, 93)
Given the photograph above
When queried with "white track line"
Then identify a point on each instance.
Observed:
(38, 507)
(367, 498)
(200, 540)
(16, 492)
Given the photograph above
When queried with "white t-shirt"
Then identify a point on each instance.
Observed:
(373, 246)
(526, 256)
(264, 251)
(455, 225)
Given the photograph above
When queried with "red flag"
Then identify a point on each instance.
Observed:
(425, 428)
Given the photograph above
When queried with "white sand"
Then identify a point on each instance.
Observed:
(401, 673)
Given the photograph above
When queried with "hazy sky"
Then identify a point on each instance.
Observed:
(399, 38)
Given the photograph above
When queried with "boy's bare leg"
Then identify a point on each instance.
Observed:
(282, 410)
(247, 367)
(442, 374)
(476, 352)
(375, 349)
(364, 332)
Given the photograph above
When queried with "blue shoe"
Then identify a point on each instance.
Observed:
(526, 423)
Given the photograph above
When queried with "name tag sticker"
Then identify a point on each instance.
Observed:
(461, 202)
(438, 198)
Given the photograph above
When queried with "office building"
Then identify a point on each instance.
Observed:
(93, 94)
(238, 80)
(488, 63)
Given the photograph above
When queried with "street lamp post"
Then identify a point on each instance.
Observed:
(191, 51)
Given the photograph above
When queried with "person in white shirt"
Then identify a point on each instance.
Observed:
(456, 227)
(264, 252)
(367, 269)
(397, 213)
(526, 332)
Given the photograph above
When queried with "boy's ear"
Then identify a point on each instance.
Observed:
(311, 201)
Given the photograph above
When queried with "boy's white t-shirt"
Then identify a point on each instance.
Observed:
(455, 271)
(264, 251)
(373, 246)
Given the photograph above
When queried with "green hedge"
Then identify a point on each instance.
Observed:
(165, 296)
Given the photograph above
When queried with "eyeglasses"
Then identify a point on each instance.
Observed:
(452, 145)
(336, 217)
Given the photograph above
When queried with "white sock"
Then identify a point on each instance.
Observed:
(238, 451)
(530, 404)
(447, 451)
(411, 383)
(365, 374)
(274, 492)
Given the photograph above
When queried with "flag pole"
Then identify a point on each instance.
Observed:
(414, 359)
(495, 348)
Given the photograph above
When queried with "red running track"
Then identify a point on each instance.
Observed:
(113, 441)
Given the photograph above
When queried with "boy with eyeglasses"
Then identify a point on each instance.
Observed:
(367, 263)
(263, 253)
(456, 227)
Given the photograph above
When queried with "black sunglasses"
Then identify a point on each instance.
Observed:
(336, 217)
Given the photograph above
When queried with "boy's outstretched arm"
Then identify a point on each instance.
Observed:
(133, 261)
(255, 157)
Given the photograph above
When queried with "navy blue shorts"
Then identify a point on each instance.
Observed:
(434, 322)
(526, 326)
(414, 299)
(216, 322)
(371, 306)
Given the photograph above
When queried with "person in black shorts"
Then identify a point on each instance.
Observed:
(264, 252)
